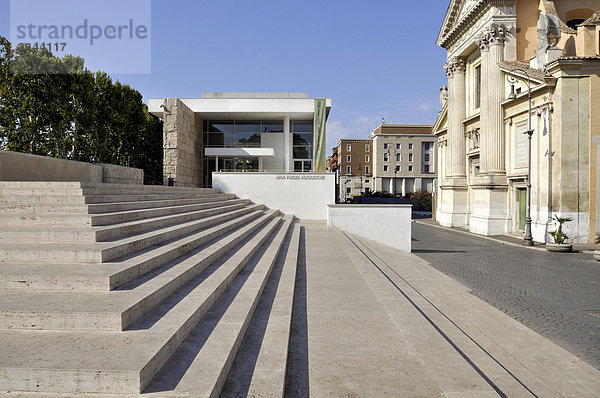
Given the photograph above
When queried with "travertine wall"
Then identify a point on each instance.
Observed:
(182, 142)
(15, 166)
(114, 174)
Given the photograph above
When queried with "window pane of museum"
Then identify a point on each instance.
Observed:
(220, 140)
(307, 166)
(398, 157)
(385, 145)
(301, 152)
(385, 157)
(477, 101)
(348, 169)
(272, 126)
(385, 168)
(302, 126)
(410, 157)
(252, 126)
(367, 148)
(398, 146)
(221, 127)
(298, 166)
(410, 146)
(410, 168)
(426, 168)
(367, 170)
(426, 157)
(303, 139)
(245, 140)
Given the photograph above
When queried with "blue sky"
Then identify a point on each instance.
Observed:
(373, 58)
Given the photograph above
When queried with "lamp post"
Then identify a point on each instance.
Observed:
(512, 79)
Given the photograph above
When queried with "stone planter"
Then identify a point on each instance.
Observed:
(597, 255)
(559, 247)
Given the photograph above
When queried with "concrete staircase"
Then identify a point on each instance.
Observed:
(138, 290)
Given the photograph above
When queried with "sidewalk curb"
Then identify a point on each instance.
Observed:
(503, 242)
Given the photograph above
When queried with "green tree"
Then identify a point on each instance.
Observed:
(55, 107)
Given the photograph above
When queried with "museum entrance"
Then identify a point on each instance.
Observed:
(228, 164)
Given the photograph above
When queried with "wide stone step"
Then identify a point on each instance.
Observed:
(142, 214)
(70, 233)
(259, 369)
(219, 334)
(115, 310)
(101, 208)
(104, 251)
(144, 190)
(64, 216)
(119, 362)
(111, 275)
(92, 199)
(42, 208)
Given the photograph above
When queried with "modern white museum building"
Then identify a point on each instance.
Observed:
(267, 132)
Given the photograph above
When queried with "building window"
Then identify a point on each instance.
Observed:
(398, 147)
(426, 168)
(349, 148)
(385, 145)
(386, 157)
(410, 168)
(348, 189)
(367, 148)
(477, 99)
(426, 146)
(367, 181)
(398, 157)
(367, 158)
(348, 158)
(410, 157)
(426, 157)
(348, 169)
(410, 147)
(385, 168)
(367, 170)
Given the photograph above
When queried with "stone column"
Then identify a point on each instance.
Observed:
(456, 114)
(492, 85)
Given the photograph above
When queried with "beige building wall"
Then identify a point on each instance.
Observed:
(482, 151)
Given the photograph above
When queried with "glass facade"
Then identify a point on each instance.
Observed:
(247, 134)
(302, 151)
(238, 133)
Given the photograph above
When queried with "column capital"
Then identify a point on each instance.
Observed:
(454, 65)
(495, 34)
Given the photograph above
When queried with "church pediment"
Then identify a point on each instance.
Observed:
(458, 12)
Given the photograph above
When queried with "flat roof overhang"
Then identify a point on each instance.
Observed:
(241, 152)
(245, 108)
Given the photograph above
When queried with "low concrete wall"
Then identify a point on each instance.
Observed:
(387, 224)
(114, 174)
(306, 195)
(16, 166)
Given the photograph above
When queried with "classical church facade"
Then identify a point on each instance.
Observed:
(496, 50)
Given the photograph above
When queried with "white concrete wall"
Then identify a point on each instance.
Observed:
(306, 195)
(387, 224)
(275, 141)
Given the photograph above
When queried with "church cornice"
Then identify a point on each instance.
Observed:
(453, 27)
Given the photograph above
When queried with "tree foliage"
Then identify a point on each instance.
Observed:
(55, 107)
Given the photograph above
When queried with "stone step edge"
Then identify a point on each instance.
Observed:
(134, 266)
(225, 275)
(277, 334)
(220, 340)
(102, 252)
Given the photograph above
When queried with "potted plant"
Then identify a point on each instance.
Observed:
(559, 237)
(597, 252)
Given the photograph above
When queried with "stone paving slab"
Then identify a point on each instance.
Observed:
(380, 322)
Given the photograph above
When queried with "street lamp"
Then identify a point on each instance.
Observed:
(512, 79)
